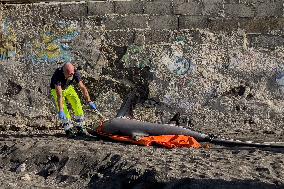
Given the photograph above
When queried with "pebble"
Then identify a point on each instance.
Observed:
(26, 177)
(21, 168)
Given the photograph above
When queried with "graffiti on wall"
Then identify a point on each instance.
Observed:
(54, 44)
(8, 41)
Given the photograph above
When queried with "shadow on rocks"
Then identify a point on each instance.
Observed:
(188, 183)
(147, 180)
(56, 135)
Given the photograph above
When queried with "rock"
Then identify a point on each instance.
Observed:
(21, 168)
(26, 177)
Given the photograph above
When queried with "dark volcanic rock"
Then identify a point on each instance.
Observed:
(51, 160)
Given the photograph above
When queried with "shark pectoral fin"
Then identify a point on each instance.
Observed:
(138, 135)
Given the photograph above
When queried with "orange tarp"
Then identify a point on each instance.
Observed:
(167, 141)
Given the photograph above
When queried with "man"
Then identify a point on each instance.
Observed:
(62, 90)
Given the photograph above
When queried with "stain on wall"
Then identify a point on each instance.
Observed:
(136, 56)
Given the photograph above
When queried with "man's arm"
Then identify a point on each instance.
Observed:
(59, 97)
(84, 91)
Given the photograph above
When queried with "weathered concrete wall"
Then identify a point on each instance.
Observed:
(215, 61)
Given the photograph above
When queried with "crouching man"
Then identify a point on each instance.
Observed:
(62, 91)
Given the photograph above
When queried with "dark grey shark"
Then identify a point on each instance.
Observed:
(135, 128)
(125, 126)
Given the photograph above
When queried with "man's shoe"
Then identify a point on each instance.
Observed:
(70, 133)
(81, 131)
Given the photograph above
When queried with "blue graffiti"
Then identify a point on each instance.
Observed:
(181, 66)
(6, 55)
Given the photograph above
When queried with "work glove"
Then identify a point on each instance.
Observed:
(92, 105)
(62, 115)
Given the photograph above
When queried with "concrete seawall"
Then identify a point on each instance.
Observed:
(219, 63)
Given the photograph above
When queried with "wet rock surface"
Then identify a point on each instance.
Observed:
(47, 159)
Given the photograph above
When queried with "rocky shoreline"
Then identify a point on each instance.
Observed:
(47, 159)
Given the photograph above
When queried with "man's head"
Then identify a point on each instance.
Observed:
(68, 70)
